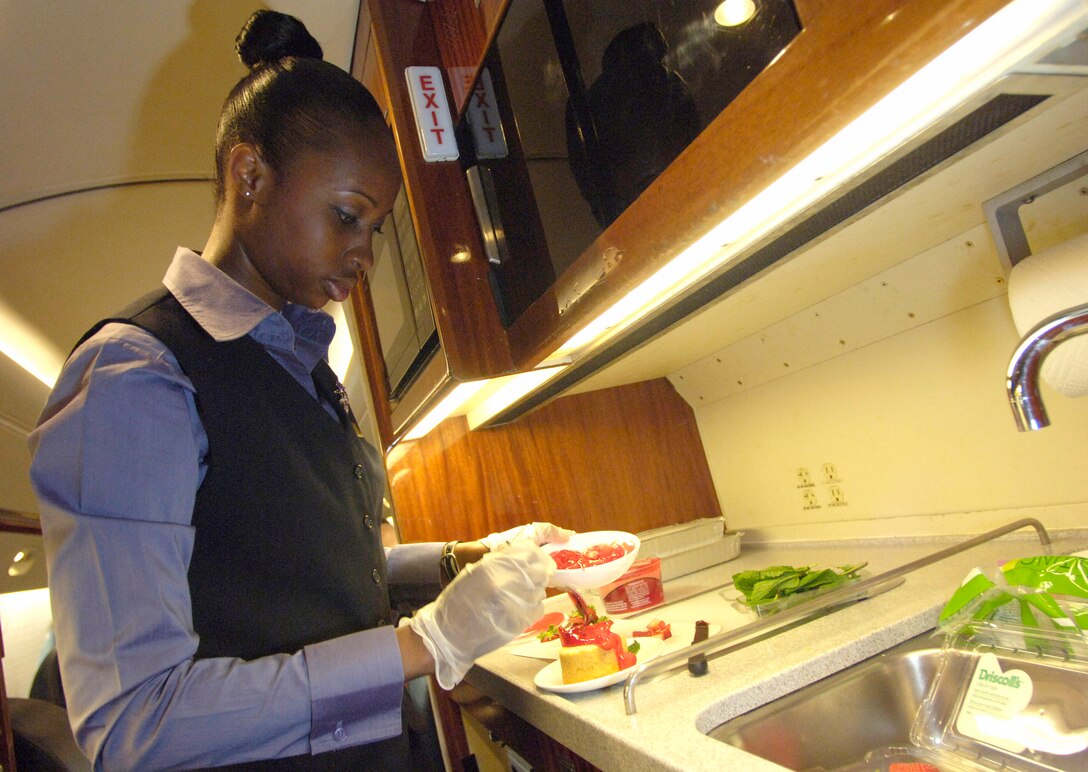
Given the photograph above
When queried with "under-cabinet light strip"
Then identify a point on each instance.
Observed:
(508, 390)
(481, 400)
(447, 406)
(964, 69)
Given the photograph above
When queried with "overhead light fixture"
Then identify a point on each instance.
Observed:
(733, 13)
(28, 348)
(21, 563)
(968, 66)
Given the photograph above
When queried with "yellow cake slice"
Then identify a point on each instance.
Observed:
(584, 663)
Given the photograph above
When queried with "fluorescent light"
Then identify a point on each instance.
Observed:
(341, 349)
(964, 69)
(452, 402)
(482, 400)
(733, 13)
(28, 348)
(505, 391)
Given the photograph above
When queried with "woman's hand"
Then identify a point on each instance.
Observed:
(538, 533)
(467, 552)
(489, 603)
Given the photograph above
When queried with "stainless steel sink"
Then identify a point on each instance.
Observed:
(836, 721)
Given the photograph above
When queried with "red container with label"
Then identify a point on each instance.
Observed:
(637, 590)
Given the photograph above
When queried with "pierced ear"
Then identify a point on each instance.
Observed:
(246, 169)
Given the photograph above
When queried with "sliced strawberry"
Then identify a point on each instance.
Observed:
(655, 628)
(551, 618)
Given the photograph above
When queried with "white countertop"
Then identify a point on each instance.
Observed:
(675, 709)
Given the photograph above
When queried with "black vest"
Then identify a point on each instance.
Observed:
(287, 549)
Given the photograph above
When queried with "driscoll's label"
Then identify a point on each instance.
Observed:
(1012, 681)
(997, 710)
(993, 704)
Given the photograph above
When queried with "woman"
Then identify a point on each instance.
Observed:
(220, 591)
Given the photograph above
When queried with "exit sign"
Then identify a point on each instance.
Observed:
(432, 113)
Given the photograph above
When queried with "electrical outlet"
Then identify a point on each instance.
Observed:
(836, 496)
(804, 479)
(831, 474)
(809, 500)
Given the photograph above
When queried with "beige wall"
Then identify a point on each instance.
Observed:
(882, 350)
(898, 382)
(918, 429)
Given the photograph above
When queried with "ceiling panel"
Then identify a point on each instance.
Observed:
(97, 95)
(101, 92)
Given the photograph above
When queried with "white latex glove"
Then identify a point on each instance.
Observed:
(538, 533)
(489, 603)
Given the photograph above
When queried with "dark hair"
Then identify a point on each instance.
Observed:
(291, 100)
(640, 46)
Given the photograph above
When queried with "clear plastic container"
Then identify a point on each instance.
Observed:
(796, 599)
(774, 606)
(1008, 698)
(907, 759)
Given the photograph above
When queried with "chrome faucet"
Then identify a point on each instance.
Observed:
(1022, 381)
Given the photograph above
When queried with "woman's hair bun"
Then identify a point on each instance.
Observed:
(269, 36)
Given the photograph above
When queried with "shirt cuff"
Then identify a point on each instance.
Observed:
(414, 572)
(356, 687)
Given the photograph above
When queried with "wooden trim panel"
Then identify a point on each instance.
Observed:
(625, 458)
(808, 10)
(464, 30)
(473, 339)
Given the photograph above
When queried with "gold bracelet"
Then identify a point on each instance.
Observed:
(448, 562)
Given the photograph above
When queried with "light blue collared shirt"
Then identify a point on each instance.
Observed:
(118, 455)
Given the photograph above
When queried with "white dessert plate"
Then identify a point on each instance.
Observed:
(550, 676)
(593, 576)
(682, 635)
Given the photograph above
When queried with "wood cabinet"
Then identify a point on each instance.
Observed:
(845, 59)
(465, 313)
(511, 731)
(626, 457)
(464, 31)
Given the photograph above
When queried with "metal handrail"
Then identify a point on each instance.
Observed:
(12, 521)
(805, 610)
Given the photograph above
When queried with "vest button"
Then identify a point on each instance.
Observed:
(376, 575)
(368, 521)
(358, 471)
(382, 622)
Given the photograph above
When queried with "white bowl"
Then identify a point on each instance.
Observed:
(599, 575)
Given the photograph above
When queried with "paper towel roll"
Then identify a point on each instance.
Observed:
(1043, 284)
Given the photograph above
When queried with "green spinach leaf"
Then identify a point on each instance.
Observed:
(759, 587)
